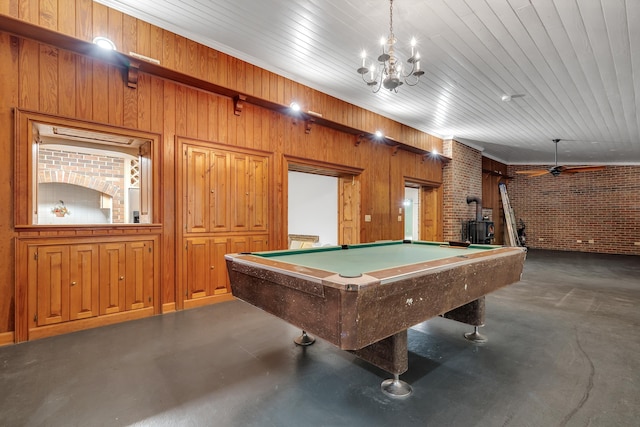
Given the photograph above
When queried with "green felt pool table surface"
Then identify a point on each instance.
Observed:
(363, 258)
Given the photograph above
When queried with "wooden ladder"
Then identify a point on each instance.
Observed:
(509, 217)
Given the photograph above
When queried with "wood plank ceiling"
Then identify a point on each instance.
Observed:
(572, 67)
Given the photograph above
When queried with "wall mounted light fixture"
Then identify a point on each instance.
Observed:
(104, 43)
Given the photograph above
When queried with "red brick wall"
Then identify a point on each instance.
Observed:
(462, 177)
(602, 207)
(98, 172)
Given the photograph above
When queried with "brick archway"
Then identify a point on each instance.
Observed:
(93, 182)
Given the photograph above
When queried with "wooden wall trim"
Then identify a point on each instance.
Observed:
(7, 338)
(92, 322)
(23, 172)
(299, 164)
(182, 140)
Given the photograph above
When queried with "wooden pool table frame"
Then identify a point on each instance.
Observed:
(370, 315)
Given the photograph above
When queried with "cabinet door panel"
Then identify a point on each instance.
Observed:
(239, 196)
(197, 189)
(259, 243)
(258, 193)
(84, 275)
(53, 285)
(139, 275)
(220, 209)
(198, 266)
(112, 272)
(219, 278)
(239, 244)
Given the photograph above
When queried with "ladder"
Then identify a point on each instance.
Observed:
(509, 216)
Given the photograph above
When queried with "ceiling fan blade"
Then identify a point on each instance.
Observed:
(582, 169)
(537, 172)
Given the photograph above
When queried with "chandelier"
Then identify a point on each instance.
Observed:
(388, 73)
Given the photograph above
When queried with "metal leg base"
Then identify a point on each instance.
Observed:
(304, 339)
(395, 387)
(475, 336)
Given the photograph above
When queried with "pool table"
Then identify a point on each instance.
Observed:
(363, 298)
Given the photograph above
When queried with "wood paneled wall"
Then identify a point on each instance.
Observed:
(47, 79)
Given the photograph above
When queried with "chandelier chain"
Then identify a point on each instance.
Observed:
(391, 17)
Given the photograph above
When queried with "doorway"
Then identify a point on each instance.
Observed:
(423, 216)
(313, 207)
(411, 205)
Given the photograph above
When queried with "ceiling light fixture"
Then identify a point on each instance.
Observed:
(389, 73)
(507, 98)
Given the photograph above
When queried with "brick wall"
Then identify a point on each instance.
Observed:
(462, 177)
(98, 172)
(600, 209)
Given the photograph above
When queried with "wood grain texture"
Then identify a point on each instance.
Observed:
(46, 78)
(8, 70)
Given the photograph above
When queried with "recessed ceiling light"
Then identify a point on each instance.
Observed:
(506, 97)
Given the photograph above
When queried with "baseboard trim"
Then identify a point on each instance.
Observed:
(7, 338)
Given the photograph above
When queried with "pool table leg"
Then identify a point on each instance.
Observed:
(390, 354)
(475, 336)
(396, 387)
(471, 314)
(304, 339)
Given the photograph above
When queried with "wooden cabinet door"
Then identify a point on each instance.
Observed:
(238, 244)
(259, 243)
(52, 285)
(206, 273)
(219, 197)
(258, 206)
(198, 267)
(219, 277)
(84, 275)
(239, 196)
(139, 275)
(112, 277)
(196, 191)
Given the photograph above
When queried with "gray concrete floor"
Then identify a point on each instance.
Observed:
(563, 350)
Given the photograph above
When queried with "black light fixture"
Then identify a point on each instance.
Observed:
(388, 73)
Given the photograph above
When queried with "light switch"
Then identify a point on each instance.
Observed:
(367, 218)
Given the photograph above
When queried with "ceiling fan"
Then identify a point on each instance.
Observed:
(557, 170)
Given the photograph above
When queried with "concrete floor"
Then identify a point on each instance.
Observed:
(563, 350)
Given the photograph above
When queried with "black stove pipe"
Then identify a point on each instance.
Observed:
(478, 201)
